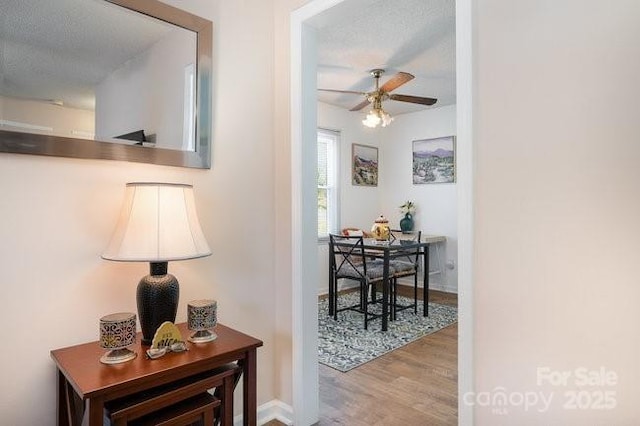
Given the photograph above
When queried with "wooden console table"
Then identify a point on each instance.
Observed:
(85, 384)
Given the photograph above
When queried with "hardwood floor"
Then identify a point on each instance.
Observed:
(413, 385)
(416, 385)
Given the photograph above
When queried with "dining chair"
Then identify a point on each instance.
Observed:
(348, 261)
(405, 264)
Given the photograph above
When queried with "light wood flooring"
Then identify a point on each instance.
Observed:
(415, 385)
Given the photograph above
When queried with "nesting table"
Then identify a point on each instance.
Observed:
(87, 385)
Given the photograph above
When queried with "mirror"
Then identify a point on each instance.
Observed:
(105, 79)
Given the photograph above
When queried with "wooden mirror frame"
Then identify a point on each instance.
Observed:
(59, 146)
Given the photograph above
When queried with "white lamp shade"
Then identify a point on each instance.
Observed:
(158, 223)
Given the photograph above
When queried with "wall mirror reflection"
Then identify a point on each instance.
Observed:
(120, 79)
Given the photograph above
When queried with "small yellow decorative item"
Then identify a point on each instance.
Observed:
(167, 339)
(380, 229)
(166, 335)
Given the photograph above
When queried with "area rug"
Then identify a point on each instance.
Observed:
(345, 344)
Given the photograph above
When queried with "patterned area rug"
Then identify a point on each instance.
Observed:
(345, 344)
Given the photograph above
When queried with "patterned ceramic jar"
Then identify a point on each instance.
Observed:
(117, 331)
(201, 316)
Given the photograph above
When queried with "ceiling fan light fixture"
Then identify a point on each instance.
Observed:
(372, 119)
(376, 117)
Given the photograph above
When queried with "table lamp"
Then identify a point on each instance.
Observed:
(158, 223)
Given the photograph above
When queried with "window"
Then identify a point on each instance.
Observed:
(328, 148)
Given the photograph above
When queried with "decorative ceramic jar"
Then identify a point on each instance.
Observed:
(201, 316)
(380, 229)
(117, 331)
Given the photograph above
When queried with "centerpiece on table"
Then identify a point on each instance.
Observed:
(380, 230)
(408, 209)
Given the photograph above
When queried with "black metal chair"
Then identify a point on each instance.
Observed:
(405, 264)
(348, 261)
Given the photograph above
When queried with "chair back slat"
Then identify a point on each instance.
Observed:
(350, 254)
(409, 255)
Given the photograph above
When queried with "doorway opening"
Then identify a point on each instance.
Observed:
(304, 203)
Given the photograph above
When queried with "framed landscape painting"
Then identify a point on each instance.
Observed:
(365, 165)
(434, 160)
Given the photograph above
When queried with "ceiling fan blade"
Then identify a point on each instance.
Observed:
(360, 105)
(396, 81)
(413, 99)
(343, 91)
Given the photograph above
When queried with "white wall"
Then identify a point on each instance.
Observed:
(283, 290)
(58, 215)
(147, 92)
(436, 205)
(557, 205)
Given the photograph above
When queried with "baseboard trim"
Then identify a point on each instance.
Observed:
(443, 288)
(342, 286)
(432, 286)
(272, 410)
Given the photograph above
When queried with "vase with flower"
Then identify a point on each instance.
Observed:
(406, 223)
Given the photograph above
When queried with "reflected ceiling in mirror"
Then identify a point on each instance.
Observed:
(122, 79)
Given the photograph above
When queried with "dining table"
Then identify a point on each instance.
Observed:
(388, 250)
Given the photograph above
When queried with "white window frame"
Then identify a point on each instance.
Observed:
(333, 184)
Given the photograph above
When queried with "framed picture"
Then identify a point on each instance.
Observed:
(365, 165)
(434, 160)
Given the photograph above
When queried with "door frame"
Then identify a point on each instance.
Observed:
(304, 245)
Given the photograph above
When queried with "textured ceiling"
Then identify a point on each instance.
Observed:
(60, 49)
(414, 36)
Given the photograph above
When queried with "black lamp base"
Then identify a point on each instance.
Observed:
(157, 298)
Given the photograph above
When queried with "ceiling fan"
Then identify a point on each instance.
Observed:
(382, 93)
